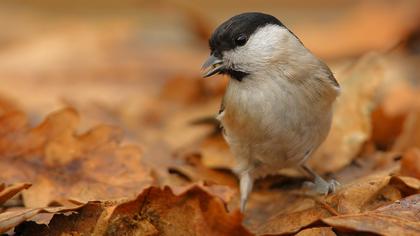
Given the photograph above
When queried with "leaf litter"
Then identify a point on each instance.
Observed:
(134, 156)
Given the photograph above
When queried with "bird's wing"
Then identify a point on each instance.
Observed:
(331, 77)
(333, 80)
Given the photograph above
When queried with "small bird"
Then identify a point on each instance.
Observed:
(277, 108)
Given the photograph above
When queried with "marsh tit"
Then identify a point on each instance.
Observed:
(277, 109)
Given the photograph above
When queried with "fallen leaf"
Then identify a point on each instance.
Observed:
(196, 171)
(7, 106)
(216, 153)
(193, 91)
(410, 163)
(352, 30)
(62, 164)
(386, 128)
(410, 136)
(292, 222)
(154, 211)
(8, 192)
(317, 231)
(347, 136)
(399, 218)
(167, 213)
(10, 219)
(407, 185)
(352, 197)
(292, 212)
(399, 96)
(225, 193)
(374, 190)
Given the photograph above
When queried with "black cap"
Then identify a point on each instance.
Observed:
(228, 35)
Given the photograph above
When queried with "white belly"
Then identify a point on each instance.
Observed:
(271, 124)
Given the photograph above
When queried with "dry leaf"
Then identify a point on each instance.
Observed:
(410, 163)
(292, 222)
(374, 190)
(386, 128)
(193, 90)
(155, 211)
(410, 136)
(8, 192)
(10, 219)
(358, 29)
(319, 231)
(216, 153)
(7, 106)
(407, 185)
(399, 218)
(296, 212)
(195, 171)
(61, 164)
(352, 197)
(357, 98)
(225, 193)
(168, 213)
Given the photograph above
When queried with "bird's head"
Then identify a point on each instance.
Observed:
(248, 43)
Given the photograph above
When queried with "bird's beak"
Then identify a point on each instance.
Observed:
(212, 66)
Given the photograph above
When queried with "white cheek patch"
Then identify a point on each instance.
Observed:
(263, 45)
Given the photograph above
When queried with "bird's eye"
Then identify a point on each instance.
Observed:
(241, 40)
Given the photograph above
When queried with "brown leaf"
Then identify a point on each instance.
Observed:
(353, 197)
(168, 213)
(290, 223)
(8, 192)
(357, 31)
(398, 99)
(155, 211)
(193, 90)
(83, 221)
(385, 128)
(11, 122)
(371, 191)
(399, 218)
(295, 212)
(265, 205)
(357, 98)
(62, 164)
(216, 153)
(407, 185)
(6, 106)
(410, 136)
(225, 193)
(196, 171)
(318, 231)
(184, 168)
(410, 163)
(10, 219)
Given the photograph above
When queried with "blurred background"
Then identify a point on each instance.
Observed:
(136, 64)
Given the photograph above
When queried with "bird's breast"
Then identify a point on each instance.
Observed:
(273, 117)
(256, 109)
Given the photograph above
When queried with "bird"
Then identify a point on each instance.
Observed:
(278, 105)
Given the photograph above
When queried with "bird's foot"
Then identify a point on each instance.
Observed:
(322, 186)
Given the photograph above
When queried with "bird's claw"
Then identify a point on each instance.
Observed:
(321, 186)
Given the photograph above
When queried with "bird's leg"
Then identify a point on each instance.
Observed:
(245, 185)
(320, 185)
